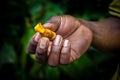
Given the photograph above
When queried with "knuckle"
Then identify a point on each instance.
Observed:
(56, 49)
(64, 52)
(40, 51)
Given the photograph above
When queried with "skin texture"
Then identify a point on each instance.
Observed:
(105, 34)
(74, 37)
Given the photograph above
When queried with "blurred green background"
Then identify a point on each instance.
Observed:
(18, 18)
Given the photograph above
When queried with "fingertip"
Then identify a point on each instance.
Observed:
(50, 26)
(47, 25)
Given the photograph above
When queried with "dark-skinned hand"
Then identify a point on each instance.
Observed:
(72, 40)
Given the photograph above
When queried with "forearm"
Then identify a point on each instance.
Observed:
(106, 34)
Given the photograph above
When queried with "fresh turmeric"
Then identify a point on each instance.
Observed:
(45, 32)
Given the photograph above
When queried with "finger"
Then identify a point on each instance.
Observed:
(65, 53)
(53, 59)
(33, 43)
(49, 48)
(53, 23)
(41, 50)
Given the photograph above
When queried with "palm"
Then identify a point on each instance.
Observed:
(78, 35)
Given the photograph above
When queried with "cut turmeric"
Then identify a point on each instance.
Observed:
(45, 32)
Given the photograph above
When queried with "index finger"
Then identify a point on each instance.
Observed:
(33, 43)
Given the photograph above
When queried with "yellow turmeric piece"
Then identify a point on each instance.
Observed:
(45, 32)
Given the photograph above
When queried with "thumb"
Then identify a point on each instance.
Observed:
(53, 24)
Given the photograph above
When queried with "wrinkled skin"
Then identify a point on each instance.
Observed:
(74, 36)
(72, 40)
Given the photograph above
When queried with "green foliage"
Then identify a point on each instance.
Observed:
(19, 18)
(5, 56)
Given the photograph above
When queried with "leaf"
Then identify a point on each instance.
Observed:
(7, 54)
(52, 73)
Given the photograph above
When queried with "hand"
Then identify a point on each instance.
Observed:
(72, 40)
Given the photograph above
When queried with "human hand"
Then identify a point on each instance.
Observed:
(72, 40)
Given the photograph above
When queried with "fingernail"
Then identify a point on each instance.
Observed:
(58, 40)
(47, 24)
(37, 37)
(43, 43)
(66, 43)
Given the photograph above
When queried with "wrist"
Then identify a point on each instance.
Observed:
(105, 34)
